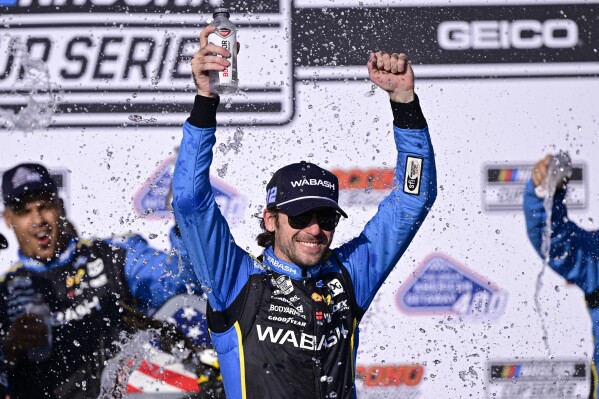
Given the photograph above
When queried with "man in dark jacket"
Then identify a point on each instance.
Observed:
(62, 304)
(285, 324)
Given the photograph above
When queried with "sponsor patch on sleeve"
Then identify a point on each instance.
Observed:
(413, 175)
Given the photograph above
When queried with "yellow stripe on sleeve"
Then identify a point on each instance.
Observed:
(241, 359)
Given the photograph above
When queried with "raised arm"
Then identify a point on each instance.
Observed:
(219, 263)
(574, 252)
(371, 256)
(155, 276)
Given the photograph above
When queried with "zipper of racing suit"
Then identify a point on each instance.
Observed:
(310, 289)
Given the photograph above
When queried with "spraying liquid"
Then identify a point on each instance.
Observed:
(36, 88)
(118, 369)
(225, 36)
(559, 170)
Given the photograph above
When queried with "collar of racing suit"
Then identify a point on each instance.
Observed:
(271, 261)
(65, 257)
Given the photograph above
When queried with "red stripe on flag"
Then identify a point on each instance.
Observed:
(169, 377)
(132, 389)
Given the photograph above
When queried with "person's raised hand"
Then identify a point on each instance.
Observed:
(209, 57)
(392, 73)
(539, 171)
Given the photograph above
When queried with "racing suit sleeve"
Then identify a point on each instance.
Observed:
(221, 266)
(574, 252)
(370, 257)
(155, 276)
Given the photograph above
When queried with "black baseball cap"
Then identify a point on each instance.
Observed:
(300, 187)
(25, 179)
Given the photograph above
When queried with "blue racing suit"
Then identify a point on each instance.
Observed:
(280, 330)
(574, 254)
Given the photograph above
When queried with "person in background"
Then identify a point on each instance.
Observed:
(3, 376)
(62, 305)
(574, 251)
(284, 325)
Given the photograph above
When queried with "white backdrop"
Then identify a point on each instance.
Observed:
(339, 124)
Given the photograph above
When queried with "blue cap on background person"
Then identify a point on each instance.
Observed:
(300, 187)
(25, 179)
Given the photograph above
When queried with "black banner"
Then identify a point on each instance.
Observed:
(448, 35)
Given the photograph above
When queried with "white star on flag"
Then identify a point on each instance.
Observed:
(189, 313)
(194, 332)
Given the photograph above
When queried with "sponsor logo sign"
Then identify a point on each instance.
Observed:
(389, 380)
(301, 340)
(335, 287)
(95, 268)
(503, 34)
(538, 379)
(316, 297)
(363, 187)
(77, 312)
(465, 41)
(153, 199)
(365, 179)
(126, 62)
(413, 175)
(313, 182)
(340, 306)
(443, 286)
(281, 267)
(77, 285)
(503, 186)
(295, 311)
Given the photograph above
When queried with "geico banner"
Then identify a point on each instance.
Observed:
(461, 41)
(126, 62)
(115, 68)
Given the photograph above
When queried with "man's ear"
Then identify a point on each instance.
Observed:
(7, 216)
(270, 220)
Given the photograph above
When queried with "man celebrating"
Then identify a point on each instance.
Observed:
(573, 251)
(284, 325)
(62, 305)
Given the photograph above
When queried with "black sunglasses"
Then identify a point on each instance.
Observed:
(327, 219)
